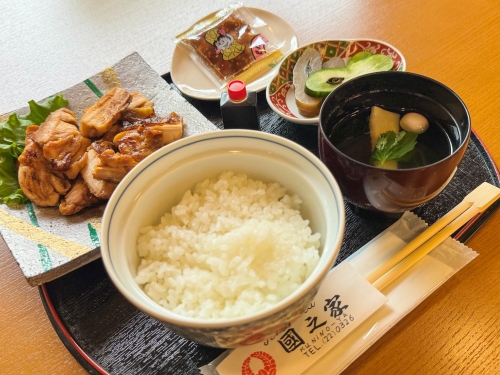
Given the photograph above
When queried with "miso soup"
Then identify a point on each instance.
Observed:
(352, 137)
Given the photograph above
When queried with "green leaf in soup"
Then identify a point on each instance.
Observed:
(359, 56)
(392, 146)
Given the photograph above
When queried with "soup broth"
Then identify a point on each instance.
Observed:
(352, 137)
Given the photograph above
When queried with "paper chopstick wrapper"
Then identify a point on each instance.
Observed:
(344, 300)
(400, 297)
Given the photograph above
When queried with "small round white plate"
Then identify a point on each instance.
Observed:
(280, 93)
(191, 81)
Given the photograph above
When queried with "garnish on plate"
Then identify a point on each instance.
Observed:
(323, 81)
(52, 159)
(12, 142)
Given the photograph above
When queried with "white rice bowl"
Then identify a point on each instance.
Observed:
(231, 247)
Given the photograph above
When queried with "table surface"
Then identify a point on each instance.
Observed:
(48, 46)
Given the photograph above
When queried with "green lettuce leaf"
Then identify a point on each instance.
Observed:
(10, 191)
(392, 146)
(12, 142)
(39, 112)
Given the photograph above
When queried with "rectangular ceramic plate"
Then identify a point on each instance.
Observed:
(46, 244)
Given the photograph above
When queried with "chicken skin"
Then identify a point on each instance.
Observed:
(39, 181)
(80, 165)
(77, 198)
(62, 143)
(100, 188)
(171, 126)
(139, 142)
(139, 107)
(99, 118)
(112, 166)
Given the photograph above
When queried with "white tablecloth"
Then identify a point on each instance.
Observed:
(47, 46)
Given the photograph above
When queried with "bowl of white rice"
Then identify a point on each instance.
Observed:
(225, 236)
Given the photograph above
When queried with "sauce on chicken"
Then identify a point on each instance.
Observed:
(77, 166)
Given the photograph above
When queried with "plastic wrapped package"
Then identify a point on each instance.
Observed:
(231, 44)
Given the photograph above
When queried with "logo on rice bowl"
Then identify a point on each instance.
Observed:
(254, 338)
(267, 365)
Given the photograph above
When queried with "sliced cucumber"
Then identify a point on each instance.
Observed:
(359, 56)
(324, 81)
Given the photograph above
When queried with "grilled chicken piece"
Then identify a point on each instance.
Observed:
(114, 130)
(99, 118)
(77, 198)
(100, 188)
(32, 154)
(139, 142)
(39, 181)
(101, 145)
(171, 126)
(113, 166)
(139, 107)
(57, 152)
(41, 187)
(63, 145)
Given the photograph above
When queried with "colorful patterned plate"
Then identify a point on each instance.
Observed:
(280, 93)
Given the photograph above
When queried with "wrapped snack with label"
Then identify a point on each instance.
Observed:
(232, 43)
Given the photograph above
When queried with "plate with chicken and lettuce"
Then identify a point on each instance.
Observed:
(62, 157)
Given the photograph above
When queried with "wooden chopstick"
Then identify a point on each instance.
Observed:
(378, 272)
(424, 249)
(474, 203)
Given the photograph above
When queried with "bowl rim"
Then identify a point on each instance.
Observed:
(315, 120)
(168, 316)
(463, 144)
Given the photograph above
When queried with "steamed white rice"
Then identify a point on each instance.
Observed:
(231, 247)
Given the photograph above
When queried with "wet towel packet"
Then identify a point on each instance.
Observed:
(231, 44)
(402, 296)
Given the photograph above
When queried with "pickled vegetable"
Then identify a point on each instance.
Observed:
(322, 82)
